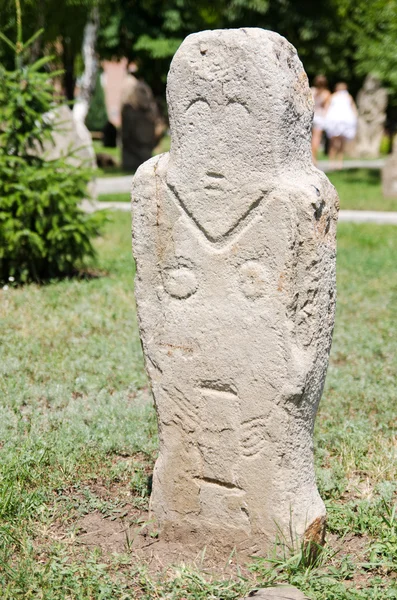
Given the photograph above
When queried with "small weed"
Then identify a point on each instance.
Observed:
(182, 583)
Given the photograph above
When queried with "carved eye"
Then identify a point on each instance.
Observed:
(180, 282)
(198, 105)
(197, 113)
(254, 279)
(238, 107)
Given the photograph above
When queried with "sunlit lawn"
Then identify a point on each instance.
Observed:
(126, 197)
(78, 437)
(360, 189)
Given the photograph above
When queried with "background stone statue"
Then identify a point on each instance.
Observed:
(141, 124)
(234, 240)
(371, 104)
(72, 141)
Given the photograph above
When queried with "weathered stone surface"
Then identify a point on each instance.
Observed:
(234, 240)
(371, 104)
(141, 124)
(389, 174)
(277, 593)
(71, 142)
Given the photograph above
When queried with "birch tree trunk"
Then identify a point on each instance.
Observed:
(88, 79)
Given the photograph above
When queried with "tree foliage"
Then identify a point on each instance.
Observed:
(97, 116)
(375, 30)
(63, 23)
(341, 38)
(43, 232)
(150, 31)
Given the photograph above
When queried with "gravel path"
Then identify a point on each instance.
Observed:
(91, 206)
(328, 167)
(368, 216)
(114, 185)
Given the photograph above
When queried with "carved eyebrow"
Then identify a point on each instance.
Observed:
(237, 101)
(193, 102)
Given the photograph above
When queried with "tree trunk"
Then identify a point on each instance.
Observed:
(88, 79)
(69, 80)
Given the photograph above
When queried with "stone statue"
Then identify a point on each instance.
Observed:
(141, 124)
(371, 104)
(72, 141)
(234, 240)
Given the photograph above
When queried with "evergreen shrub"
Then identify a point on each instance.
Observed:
(43, 231)
(97, 116)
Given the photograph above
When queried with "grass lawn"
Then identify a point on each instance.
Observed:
(360, 189)
(114, 152)
(115, 197)
(78, 439)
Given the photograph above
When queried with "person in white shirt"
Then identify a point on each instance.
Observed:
(340, 122)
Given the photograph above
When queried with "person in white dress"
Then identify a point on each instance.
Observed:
(321, 95)
(340, 122)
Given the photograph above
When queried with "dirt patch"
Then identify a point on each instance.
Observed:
(110, 535)
(353, 545)
(339, 360)
(107, 513)
(134, 535)
(120, 527)
(358, 488)
(356, 547)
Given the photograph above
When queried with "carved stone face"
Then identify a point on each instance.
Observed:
(227, 122)
(371, 83)
(219, 138)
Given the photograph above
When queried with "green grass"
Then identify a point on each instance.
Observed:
(78, 438)
(360, 189)
(164, 145)
(115, 197)
(99, 147)
(113, 172)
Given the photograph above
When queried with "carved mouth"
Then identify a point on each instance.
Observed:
(217, 386)
(213, 188)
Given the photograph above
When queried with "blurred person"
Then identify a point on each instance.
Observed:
(321, 96)
(340, 122)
